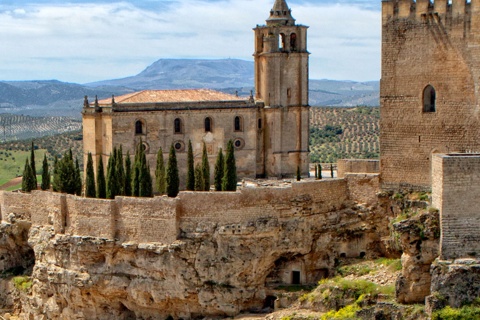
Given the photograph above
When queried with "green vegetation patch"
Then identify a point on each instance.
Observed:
(449, 313)
(22, 283)
(392, 264)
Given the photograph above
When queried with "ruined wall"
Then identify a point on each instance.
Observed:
(363, 187)
(345, 166)
(427, 44)
(455, 189)
(163, 219)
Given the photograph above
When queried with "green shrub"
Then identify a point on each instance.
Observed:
(348, 312)
(449, 313)
(22, 283)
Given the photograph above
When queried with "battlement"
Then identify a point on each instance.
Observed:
(164, 220)
(422, 10)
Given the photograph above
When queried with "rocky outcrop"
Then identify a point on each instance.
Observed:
(454, 283)
(419, 240)
(213, 274)
(16, 257)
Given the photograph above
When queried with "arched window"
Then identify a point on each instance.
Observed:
(429, 97)
(208, 124)
(293, 42)
(177, 124)
(259, 123)
(238, 125)
(281, 41)
(139, 127)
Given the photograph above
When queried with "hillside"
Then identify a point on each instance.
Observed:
(48, 98)
(343, 133)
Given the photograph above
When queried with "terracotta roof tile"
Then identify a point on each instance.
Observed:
(149, 96)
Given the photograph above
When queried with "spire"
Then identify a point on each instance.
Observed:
(281, 14)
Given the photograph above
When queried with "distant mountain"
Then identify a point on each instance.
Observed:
(188, 73)
(48, 97)
(55, 98)
(232, 75)
(344, 93)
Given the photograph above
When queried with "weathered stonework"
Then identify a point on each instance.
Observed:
(427, 44)
(345, 166)
(200, 254)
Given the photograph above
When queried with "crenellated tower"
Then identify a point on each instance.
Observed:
(281, 82)
(429, 93)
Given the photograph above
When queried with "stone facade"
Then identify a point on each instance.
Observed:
(429, 87)
(455, 186)
(270, 131)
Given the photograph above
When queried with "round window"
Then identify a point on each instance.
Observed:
(238, 143)
(179, 146)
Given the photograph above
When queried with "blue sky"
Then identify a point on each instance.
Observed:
(85, 41)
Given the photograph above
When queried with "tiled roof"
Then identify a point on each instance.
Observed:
(152, 96)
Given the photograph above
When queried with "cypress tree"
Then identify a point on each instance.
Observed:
(173, 181)
(316, 171)
(219, 168)
(136, 172)
(128, 175)
(28, 184)
(45, 174)
(160, 173)
(205, 169)
(112, 176)
(191, 175)
(32, 164)
(199, 182)
(78, 179)
(299, 176)
(90, 190)
(331, 170)
(229, 182)
(56, 177)
(145, 179)
(101, 184)
(67, 174)
(120, 170)
(320, 171)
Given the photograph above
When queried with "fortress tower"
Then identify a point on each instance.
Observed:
(430, 82)
(281, 82)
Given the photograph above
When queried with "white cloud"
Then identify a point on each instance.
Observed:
(89, 42)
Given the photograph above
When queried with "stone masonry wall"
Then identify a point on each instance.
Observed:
(163, 219)
(345, 166)
(426, 44)
(455, 189)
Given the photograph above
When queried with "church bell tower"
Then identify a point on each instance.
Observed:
(281, 82)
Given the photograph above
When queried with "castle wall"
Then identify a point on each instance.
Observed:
(363, 187)
(455, 189)
(163, 219)
(146, 220)
(345, 166)
(427, 45)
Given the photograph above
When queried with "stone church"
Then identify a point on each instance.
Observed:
(270, 129)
